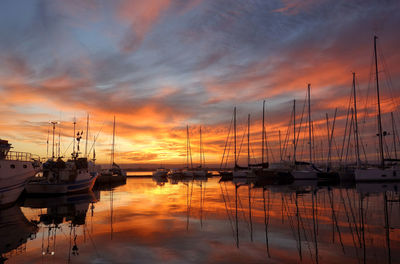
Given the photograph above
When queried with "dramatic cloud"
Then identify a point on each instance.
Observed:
(162, 64)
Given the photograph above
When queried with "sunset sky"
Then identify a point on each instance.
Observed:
(160, 65)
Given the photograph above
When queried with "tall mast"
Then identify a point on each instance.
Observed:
(94, 150)
(294, 131)
(74, 136)
(113, 144)
(47, 142)
(356, 122)
(201, 158)
(54, 128)
(234, 130)
(309, 123)
(187, 146)
(394, 136)
(59, 139)
(263, 135)
(248, 140)
(87, 134)
(280, 145)
(382, 161)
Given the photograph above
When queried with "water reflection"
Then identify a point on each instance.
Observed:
(180, 221)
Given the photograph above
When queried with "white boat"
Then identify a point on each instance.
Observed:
(15, 169)
(61, 177)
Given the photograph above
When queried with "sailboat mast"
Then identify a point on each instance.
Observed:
(234, 132)
(201, 157)
(248, 140)
(87, 134)
(294, 131)
(113, 144)
(74, 136)
(187, 146)
(382, 161)
(394, 136)
(54, 128)
(356, 122)
(263, 135)
(309, 122)
(47, 143)
(280, 145)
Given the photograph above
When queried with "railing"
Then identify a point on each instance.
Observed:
(21, 156)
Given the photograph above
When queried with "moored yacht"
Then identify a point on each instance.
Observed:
(15, 169)
(385, 172)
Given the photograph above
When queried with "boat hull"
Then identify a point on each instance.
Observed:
(243, 174)
(13, 180)
(304, 175)
(61, 188)
(377, 174)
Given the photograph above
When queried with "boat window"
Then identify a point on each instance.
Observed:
(12, 166)
(25, 166)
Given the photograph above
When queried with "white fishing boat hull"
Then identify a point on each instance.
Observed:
(13, 177)
(304, 175)
(41, 187)
(378, 174)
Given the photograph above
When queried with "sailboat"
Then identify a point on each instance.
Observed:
(270, 172)
(61, 177)
(15, 169)
(201, 171)
(303, 170)
(188, 170)
(115, 173)
(243, 172)
(382, 173)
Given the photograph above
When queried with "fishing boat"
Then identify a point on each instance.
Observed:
(384, 172)
(61, 177)
(115, 173)
(15, 170)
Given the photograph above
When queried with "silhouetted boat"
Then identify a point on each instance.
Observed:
(115, 173)
(382, 173)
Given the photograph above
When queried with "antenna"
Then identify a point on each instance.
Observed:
(54, 123)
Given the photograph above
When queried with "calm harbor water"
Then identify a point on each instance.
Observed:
(146, 221)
